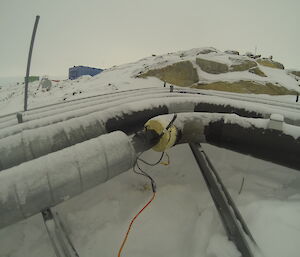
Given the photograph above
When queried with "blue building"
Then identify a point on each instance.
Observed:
(78, 71)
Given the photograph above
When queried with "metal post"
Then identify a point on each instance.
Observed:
(61, 242)
(222, 203)
(297, 98)
(29, 61)
(20, 117)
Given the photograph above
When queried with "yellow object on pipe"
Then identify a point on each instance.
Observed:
(168, 138)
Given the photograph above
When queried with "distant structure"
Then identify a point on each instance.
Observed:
(32, 78)
(78, 71)
(45, 83)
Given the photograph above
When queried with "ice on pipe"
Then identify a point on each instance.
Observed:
(46, 181)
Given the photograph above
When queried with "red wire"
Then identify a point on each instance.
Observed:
(131, 223)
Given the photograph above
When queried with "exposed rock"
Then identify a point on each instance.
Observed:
(270, 63)
(180, 74)
(207, 51)
(247, 87)
(211, 66)
(232, 52)
(249, 54)
(243, 65)
(257, 71)
(297, 73)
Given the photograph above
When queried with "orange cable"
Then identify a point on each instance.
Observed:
(131, 223)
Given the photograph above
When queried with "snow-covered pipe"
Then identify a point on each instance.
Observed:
(213, 104)
(267, 139)
(97, 109)
(33, 143)
(33, 186)
(235, 96)
(74, 102)
(80, 109)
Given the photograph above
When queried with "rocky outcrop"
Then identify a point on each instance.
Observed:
(243, 65)
(270, 63)
(200, 65)
(211, 66)
(257, 71)
(180, 74)
(233, 52)
(294, 72)
(207, 51)
(247, 87)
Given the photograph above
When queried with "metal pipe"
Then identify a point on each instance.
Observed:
(243, 135)
(31, 187)
(10, 118)
(72, 110)
(34, 185)
(200, 103)
(37, 18)
(126, 106)
(224, 208)
(34, 143)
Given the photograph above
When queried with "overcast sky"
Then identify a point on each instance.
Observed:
(105, 33)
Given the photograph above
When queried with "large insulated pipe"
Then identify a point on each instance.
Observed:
(33, 143)
(42, 111)
(267, 139)
(33, 186)
(126, 105)
(212, 104)
(69, 112)
(235, 96)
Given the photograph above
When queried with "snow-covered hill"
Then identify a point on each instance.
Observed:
(238, 74)
(201, 67)
(182, 220)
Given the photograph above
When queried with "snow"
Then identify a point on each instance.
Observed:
(182, 220)
(130, 104)
(291, 130)
(124, 77)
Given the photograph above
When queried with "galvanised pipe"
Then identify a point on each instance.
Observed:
(29, 188)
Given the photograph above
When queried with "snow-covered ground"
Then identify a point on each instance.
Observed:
(182, 220)
(123, 77)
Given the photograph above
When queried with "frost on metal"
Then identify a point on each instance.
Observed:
(32, 186)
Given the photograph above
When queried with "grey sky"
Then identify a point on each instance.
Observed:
(106, 33)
